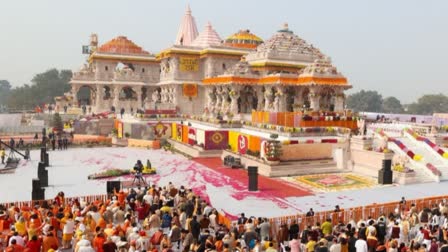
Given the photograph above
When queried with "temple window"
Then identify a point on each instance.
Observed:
(106, 68)
(223, 66)
(143, 70)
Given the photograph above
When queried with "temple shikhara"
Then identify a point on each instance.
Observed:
(203, 74)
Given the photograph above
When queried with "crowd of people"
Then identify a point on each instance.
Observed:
(171, 219)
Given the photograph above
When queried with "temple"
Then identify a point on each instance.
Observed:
(202, 74)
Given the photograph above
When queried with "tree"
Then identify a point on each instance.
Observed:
(367, 101)
(57, 123)
(5, 89)
(45, 86)
(392, 105)
(429, 104)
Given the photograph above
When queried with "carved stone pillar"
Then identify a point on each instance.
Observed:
(174, 95)
(219, 98)
(116, 97)
(74, 91)
(339, 102)
(281, 99)
(99, 97)
(314, 101)
(163, 95)
(138, 91)
(268, 99)
(234, 95)
(260, 104)
(225, 98)
(298, 98)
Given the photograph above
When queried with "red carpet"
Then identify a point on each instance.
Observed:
(275, 187)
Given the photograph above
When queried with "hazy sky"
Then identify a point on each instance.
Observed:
(397, 47)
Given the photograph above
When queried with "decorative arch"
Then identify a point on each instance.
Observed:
(85, 95)
(327, 99)
(127, 93)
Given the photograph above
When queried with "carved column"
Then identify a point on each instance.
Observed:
(268, 96)
(314, 101)
(218, 103)
(174, 95)
(138, 91)
(281, 99)
(116, 97)
(225, 97)
(298, 98)
(339, 102)
(74, 91)
(260, 104)
(234, 95)
(99, 97)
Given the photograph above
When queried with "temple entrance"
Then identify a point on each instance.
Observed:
(127, 93)
(144, 93)
(327, 99)
(106, 93)
(85, 96)
(290, 93)
(306, 99)
(248, 100)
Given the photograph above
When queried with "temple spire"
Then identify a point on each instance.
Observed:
(208, 37)
(187, 30)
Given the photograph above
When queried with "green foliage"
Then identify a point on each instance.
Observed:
(57, 122)
(367, 101)
(5, 89)
(392, 105)
(45, 86)
(429, 104)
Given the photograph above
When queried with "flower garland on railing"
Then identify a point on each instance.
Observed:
(433, 169)
(400, 145)
(433, 146)
(297, 129)
(408, 152)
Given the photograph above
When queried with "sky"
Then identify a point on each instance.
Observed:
(396, 47)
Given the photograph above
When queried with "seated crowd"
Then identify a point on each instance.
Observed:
(175, 219)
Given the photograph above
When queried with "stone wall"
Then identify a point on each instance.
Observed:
(307, 151)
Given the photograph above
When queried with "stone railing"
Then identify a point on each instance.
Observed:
(127, 76)
(83, 76)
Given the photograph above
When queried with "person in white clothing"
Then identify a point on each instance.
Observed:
(361, 245)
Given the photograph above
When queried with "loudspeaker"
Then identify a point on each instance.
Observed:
(37, 192)
(111, 185)
(387, 164)
(253, 178)
(42, 174)
(47, 160)
(43, 150)
(385, 174)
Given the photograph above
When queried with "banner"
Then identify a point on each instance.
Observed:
(216, 140)
(190, 90)
(120, 129)
(160, 130)
(191, 136)
(243, 144)
(189, 64)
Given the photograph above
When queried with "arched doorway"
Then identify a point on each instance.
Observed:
(306, 98)
(327, 99)
(127, 93)
(106, 93)
(85, 96)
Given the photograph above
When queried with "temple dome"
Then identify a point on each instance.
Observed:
(208, 37)
(122, 45)
(243, 39)
(286, 42)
